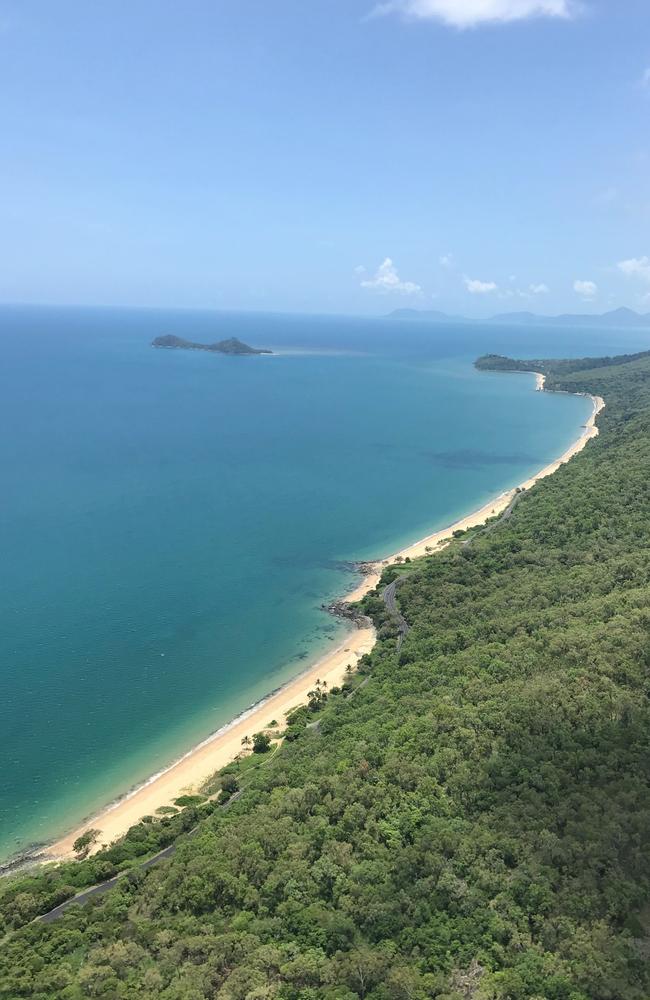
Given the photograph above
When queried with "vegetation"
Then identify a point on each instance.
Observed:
(83, 843)
(261, 743)
(231, 346)
(558, 368)
(473, 823)
(229, 782)
(189, 800)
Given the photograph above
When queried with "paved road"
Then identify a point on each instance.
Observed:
(99, 890)
(495, 524)
(391, 605)
(389, 594)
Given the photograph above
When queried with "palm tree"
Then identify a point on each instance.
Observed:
(246, 742)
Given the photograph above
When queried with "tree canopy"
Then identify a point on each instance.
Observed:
(473, 823)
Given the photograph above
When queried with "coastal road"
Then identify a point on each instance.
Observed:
(391, 606)
(495, 524)
(98, 890)
(390, 592)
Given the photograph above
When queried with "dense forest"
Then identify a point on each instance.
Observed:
(469, 817)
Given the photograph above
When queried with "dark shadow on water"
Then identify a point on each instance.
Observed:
(470, 458)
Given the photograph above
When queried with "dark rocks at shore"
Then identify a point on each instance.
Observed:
(366, 568)
(348, 566)
(27, 859)
(341, 609)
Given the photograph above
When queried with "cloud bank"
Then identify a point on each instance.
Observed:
(471, 13)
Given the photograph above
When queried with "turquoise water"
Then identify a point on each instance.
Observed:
(172, 522)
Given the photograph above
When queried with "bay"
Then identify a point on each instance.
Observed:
(171, 523)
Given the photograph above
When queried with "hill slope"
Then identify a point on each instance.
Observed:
(473, 823)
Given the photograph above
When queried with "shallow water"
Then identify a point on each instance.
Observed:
(171, 522)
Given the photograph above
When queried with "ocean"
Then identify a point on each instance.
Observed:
(172, 522)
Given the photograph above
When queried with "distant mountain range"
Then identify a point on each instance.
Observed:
(616, 317)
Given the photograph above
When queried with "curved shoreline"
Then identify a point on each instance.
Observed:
(436, 540)
(194, 768)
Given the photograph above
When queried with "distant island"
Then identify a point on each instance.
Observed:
(615, 317)
(230, 346)
(429, 315)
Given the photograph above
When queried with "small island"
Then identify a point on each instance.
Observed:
(230, 346)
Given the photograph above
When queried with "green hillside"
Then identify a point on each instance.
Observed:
(473, 823)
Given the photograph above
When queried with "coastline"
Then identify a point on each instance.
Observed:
(192, 770)
(439, 539)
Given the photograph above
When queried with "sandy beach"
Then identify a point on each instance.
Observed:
(192, 770)
(438, 539)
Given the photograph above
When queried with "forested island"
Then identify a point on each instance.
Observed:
(230, 346)
(467, 818)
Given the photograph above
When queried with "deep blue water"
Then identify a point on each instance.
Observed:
(172, 522)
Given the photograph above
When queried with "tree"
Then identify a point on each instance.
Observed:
(229, 782)
(82, 844)
(261, 743)
(317, 699)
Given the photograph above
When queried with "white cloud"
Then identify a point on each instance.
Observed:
(386, 279)
(645, 79)
(540, 289)
(636, 267)
(585, 288)
(359, 269)
(476, 287)
(446, 260)
(469, 13)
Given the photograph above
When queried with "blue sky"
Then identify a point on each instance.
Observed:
(474, 156)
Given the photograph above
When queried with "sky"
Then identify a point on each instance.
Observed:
(472, 156)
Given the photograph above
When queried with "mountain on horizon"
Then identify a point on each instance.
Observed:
(432, 315)
(614, 317)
